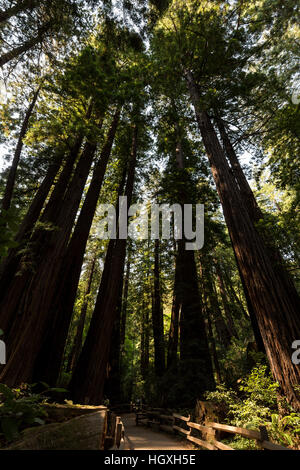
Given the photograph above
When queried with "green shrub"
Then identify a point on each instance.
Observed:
(256, 404)
(21, 408)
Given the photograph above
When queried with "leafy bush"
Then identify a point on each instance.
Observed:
(18, 410)
(254, 405)
(260, 386)
(285, 430)
(21, 408)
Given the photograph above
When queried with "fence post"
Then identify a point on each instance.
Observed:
(118, 433)
(263, 436)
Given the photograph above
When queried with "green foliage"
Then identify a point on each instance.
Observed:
(285, 430)
(9, 221)
(243, 59)
(222, 395)
(260, 387)
(255, 404)
(21, 408)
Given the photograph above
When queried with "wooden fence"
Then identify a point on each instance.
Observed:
(206, 435)
(114, 433)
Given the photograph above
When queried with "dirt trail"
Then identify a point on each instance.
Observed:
(142, 438)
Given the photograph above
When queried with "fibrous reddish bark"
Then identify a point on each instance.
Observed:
(157, 317)
(64, 295)
(88, 380)
(9, 188)
(276, 308)
(77, 343)
(32, 293)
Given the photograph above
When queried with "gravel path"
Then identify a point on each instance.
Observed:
(144, 438)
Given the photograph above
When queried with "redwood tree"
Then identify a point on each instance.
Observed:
(87, 383)
(275, 307)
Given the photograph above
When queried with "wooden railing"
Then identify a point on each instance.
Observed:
(115, 433)
(204, 435)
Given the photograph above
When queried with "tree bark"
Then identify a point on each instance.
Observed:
(10, 184)
(255, 212)
(11, 264)
(206, 288)
(13, 285)
(226, 307)
(124, 304)
(276, 310)
(112, 389)
(77, 344)
(88, 380)
(64, 295)
(244, 187)
(29, 44)
(195, 361)
(32, 293)
(145, 342)
(194, 350)
(174, 325)
(157, 317)
(29, 221)
(21, 6)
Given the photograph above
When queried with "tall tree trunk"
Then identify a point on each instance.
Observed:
(206, 292)
(245, 189)
(145, 341)
(16, 276)
(21, 6)
(223, 331)
(12, 265)
(233, 295)
(112, 389)
(10, 184)
(29, 44)
(255, 212)
(174, 324)
(30, 294)
(124, 304)
(226, 307)
(213, 346)
(157, 317)
(65, 179)
(7, 270)
(15, 261)
(195, 360)
(87, 383)
(77, 344)
(64, 295)
(195, 357)
(251, 309)
(275, 307)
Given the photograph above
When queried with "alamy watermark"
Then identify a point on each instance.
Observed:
(154, 221)
(296, 93)
(2, 352)
(296, 354)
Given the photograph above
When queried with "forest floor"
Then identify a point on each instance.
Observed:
(142, 438)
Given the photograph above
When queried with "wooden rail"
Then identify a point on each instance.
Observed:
(182, 424)
(115, 433)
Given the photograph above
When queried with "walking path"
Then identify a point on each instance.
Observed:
(142, 438)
